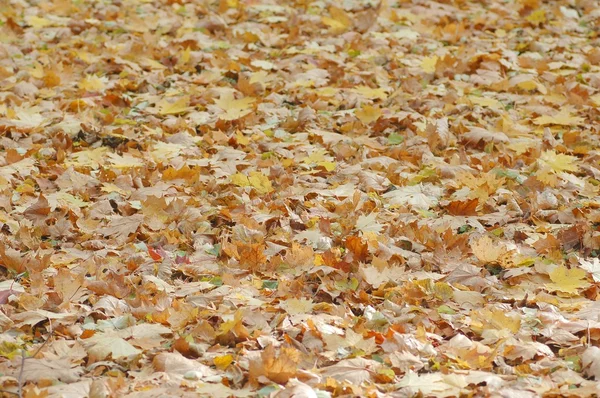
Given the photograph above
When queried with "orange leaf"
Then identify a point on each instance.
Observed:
(357, 247)
(251, 255)
(463, 208)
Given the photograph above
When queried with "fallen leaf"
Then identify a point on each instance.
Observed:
(368, 114)
(167, 107)
(567, 280)
(234, 109)
(104, 345)
(590, 362)
(559, 162)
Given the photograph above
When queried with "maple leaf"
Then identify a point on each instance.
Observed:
(252, 255)
(357, 247)
(428, 64)
(592, 266)
(89, 158)
(181, 105)
(463, 208)
(562, 118)
(559, 162)
(371, 93)
(102, 345)
(234, 109)
(274, 187)
(486, 250)
(276, 367)
(368, 223)
(590, 361)
(93, 83)
(567, 280)
(176, 363)
(421, 196)
(57, 369)
(124, 162)
(339, 20)
(355, 371)
(121, 227)
(368, 114)
(256, 180)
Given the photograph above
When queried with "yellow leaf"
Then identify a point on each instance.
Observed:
(295, 306)
(370, 93)
(318, 260)
(567, 280)
(37, 70)
(562, 118)
(37, 22)
(9, 349)
(486, 250)
(328, 91)
(222, 362)
(537, 17)
(241, 138)
(559, 162)
(150, 63)
(520, 147)
(185, 56)
(182, 105)
(89, 158)
(428, 64)
(124, 162)
(528, 85)
(329, 166)
(257, 180)
(93, 83)
(499, 320)
(234, 109)
(260, 182)
(240, 180)
(486, 102)
(339, 20)
(368, 114)
(315, 157)
(547, 177)
(261, 77)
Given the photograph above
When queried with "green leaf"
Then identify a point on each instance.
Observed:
(268, 284)
(395, 139)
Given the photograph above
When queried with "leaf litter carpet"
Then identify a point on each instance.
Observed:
(299, 198)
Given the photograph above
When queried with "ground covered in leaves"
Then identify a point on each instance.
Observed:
(299, 199)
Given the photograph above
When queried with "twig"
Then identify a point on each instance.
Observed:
(20, 379)
(24, 358)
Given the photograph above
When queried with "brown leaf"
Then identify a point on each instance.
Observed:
(463, 208)
(252, 255)
(358, 248)
(278, 368)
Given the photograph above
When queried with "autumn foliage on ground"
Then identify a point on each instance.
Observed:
(299, 198)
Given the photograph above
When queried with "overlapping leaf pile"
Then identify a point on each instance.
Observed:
(309, 198)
